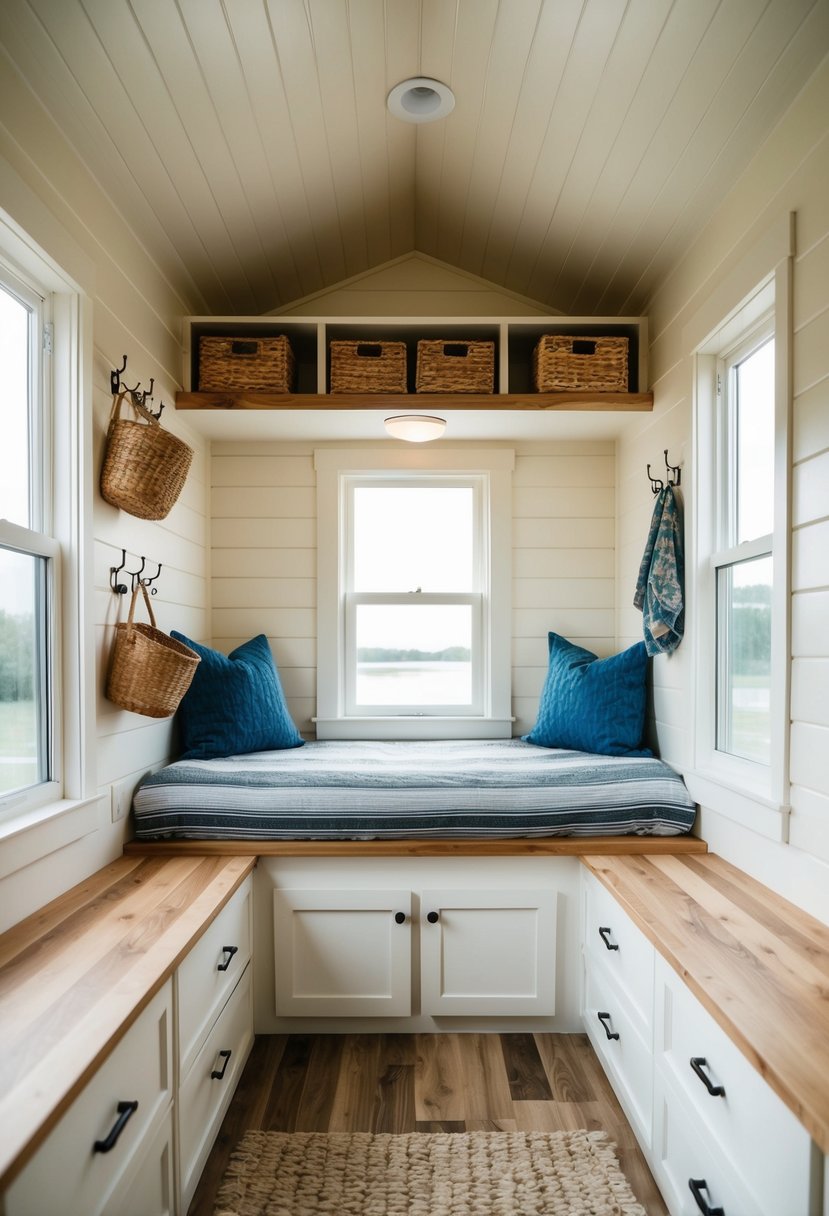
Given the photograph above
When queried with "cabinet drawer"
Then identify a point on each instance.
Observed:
(68, 1174)
(210, 972)
(682, 1155)
(147, 1187)
(208, 1088)
(625, 1054)
(624, 950)
(768, 1149)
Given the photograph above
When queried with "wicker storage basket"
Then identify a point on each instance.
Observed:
(599, 364)
(367, 367)
(149, 672)
(455, 367)
(263, 365)
(145, 467)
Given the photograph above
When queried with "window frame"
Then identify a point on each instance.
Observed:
(752, 794)
(29, 832)
(337, 469)
(475, 598)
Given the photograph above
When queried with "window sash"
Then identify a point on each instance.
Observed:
(473, 600)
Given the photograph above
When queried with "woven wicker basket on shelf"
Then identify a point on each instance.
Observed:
(367, 367)
(145, 466)
(149, 672)
(562, 362)
(455, 367)
(264, 365)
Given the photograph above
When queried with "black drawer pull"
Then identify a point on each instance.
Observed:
(400, 918)
(604, 1018)
(697, 1063)
(229, 951)
(698, 1185)
(433, 917)
(218, 1074)
(125, 1112)
(604, 934)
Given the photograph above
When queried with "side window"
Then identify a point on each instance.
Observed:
(30, 727)
(744, 559)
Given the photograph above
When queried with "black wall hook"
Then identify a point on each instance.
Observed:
(675, 480)
(136, 577)
(115, 377)
(114, 571)
(148, 582)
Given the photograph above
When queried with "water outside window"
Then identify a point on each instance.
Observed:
(744, 596)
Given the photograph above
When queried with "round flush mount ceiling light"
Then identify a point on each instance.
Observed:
(415, 428)
(420, 100)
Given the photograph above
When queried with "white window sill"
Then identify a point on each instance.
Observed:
(415, 727)
(30, 835)
(749, 808)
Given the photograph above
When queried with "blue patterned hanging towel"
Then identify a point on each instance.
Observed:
(660, 586)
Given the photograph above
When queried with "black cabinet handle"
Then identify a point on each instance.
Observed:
(604, 1018)
(125, 1112)
(218, 1074)
(400, 917)
(604, 934)
(229, 951)
(698, 1185)
(697, 1063)
(432, 917)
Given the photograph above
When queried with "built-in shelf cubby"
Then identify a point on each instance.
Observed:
(514, 340)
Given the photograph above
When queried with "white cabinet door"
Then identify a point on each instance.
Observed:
(488, 953)
(342, 953)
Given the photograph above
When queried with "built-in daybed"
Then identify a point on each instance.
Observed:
(444, 789)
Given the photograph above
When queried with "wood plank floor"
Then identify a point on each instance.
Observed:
(425, 1083)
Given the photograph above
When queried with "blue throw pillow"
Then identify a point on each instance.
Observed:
(590, 704)
(235, 703)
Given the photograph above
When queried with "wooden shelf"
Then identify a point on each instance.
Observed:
(415, 402)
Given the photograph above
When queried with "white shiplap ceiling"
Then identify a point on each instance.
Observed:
(248, 143)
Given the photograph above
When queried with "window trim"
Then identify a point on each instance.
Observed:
(26, 834)
(333, 465)
(753, 795)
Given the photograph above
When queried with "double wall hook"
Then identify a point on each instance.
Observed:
(673, 476)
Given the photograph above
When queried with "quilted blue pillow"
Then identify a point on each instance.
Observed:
(590, 704)
(235, 703)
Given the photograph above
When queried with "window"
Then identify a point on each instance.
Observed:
(29, 558)
(743, 563)
(741, 609)
(413, 633)
(414, 595)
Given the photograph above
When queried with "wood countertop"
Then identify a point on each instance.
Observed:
(75, 975)
(756, 962)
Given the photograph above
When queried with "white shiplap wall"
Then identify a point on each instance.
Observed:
(264, 558)
(51, 196)
(789, 174)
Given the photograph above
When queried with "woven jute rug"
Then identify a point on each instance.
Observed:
(444, 1174)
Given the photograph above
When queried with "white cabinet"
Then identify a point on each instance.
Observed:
(618, 1002)
(116, 1130)
(487, 953)
(214, 1033)
(348, 952)
(342, 953)
(748, 1144)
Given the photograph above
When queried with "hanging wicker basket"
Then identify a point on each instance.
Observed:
(149, 672)
(145, 467)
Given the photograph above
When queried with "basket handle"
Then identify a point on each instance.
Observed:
(137, 406)
(135, 591)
